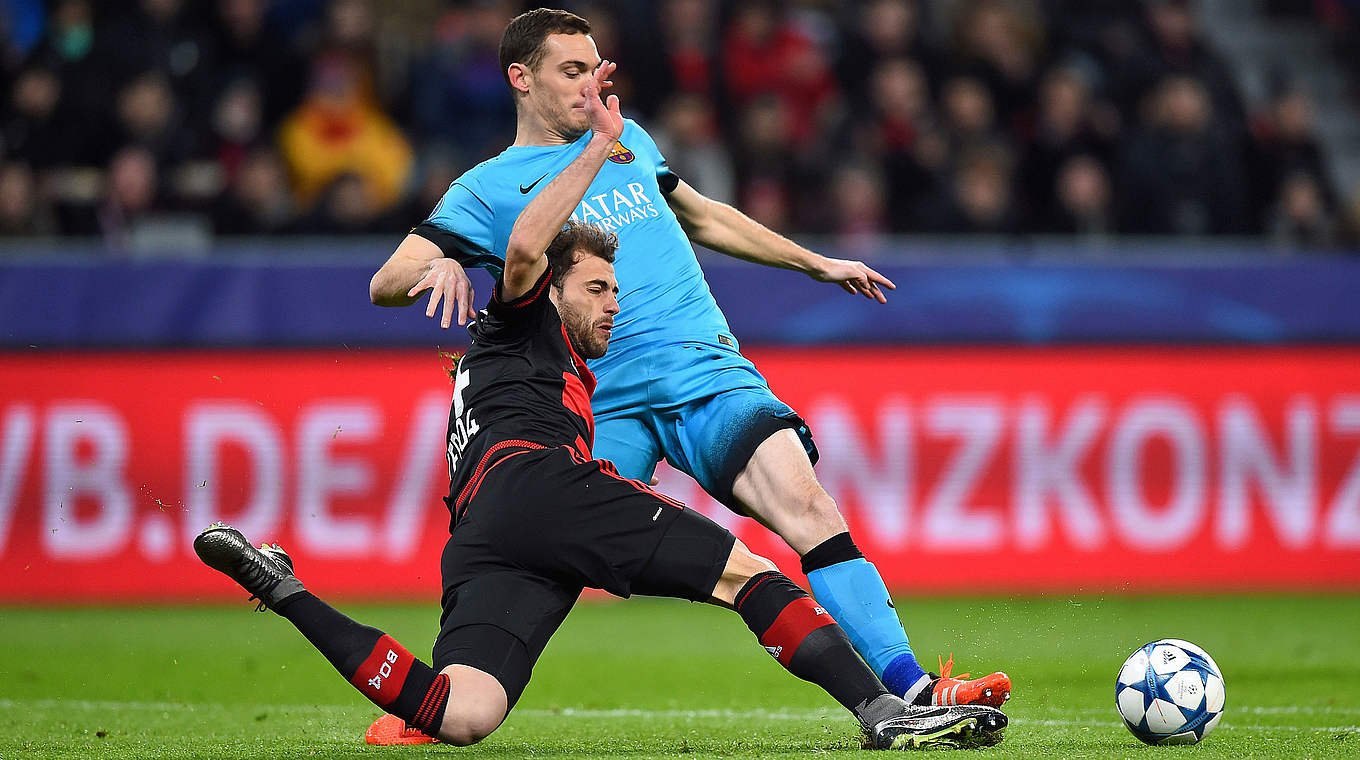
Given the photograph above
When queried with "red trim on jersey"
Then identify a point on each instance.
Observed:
(576, 398)
(801, 617)
(480, 471)
(481, 480)
(607, 468)
(527, 298)
(587, 377)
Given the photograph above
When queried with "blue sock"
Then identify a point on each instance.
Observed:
(853, 592)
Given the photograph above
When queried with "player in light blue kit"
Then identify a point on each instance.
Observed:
(673, 383)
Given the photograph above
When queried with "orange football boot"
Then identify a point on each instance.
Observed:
(991, 690)
(390, 730)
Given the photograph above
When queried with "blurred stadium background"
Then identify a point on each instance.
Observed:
(1122, 355)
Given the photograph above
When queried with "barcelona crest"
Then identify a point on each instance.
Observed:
(620, 154)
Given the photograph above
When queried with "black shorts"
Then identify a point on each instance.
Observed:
(543, 525)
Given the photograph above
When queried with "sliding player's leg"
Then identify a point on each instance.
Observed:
(596, 528)
(496, 623)
(497, 616)
(698, 560)
(778, 486)
(460, 705)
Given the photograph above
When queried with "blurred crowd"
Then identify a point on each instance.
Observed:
(1089, 118)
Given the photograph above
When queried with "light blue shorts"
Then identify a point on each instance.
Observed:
(702, 407)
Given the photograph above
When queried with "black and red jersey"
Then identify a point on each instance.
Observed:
(519, 386)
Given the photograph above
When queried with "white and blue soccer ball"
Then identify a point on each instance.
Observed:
(1170, 692)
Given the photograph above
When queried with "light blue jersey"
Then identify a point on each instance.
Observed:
(656, 396)
(663, 297)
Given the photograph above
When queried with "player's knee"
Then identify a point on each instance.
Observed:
(745, 564)
(469, 725)
(742, 565)
(817, 502)
(818, 518)
(477, 705)
(462, 736)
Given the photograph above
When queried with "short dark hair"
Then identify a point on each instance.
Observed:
(576, 236)
(524, 37)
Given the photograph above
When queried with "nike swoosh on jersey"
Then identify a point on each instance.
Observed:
(525, 190)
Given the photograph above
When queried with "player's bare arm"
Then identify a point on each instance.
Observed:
(727, 230)
(417, 266)
(543, 218)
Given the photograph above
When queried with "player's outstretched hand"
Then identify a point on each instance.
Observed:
(446, 281)
(855, 277)
(605, 119)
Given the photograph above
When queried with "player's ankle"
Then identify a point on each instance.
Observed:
(904, 675)
(918, 693)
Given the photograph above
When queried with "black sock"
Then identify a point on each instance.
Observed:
(833, 551)
(379, 667)
(806, 640)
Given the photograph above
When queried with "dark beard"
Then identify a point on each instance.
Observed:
(581, 334)
(583, 343)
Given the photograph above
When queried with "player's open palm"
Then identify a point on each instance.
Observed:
(604, 116)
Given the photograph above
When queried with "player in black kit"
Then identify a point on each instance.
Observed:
(535, 519)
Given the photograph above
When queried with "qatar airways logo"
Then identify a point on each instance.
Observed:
(617, 208)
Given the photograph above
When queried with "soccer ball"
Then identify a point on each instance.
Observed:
(1170, 692)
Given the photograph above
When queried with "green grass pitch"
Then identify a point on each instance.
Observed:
(659, 678)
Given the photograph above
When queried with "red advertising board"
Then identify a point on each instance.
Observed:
(1138, 469)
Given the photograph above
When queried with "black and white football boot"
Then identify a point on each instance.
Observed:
(946, 727)
(266, 572)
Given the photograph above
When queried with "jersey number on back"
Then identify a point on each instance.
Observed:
(464, 426)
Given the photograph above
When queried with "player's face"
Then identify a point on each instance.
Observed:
(587, 302)
(555, 88)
